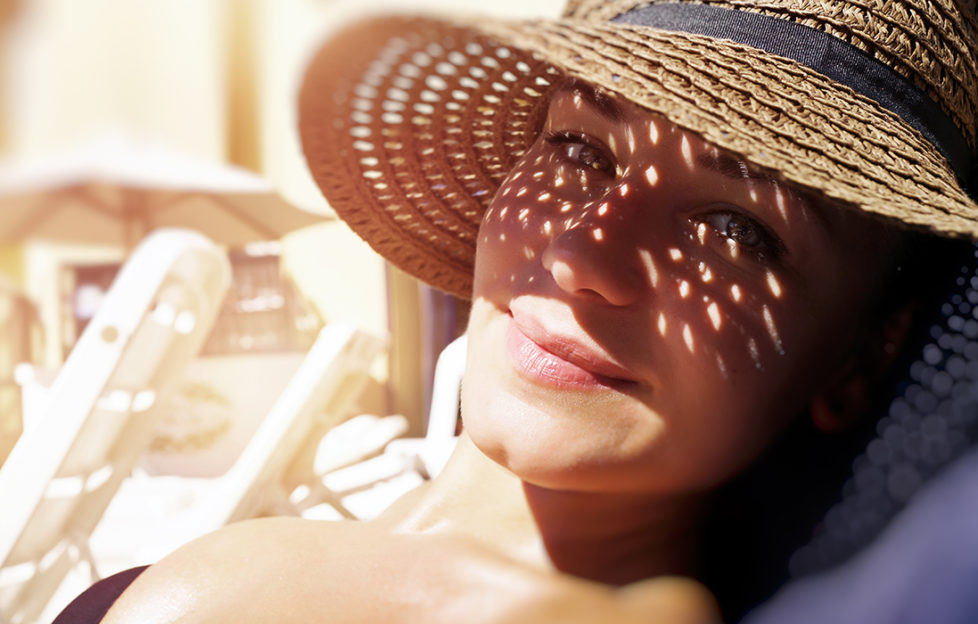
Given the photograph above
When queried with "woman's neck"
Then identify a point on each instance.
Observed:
(609, 538)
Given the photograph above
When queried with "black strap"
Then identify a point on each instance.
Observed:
(828, 55)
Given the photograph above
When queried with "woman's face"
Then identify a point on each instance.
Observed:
(649, 312)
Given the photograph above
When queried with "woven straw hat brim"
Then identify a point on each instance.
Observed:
(409, 125)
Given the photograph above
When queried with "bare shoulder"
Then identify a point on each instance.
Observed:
(293, 570)
(243, 572)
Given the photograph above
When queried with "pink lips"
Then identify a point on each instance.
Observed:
(560, 362)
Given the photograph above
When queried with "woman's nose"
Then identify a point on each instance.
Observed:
(586, 260)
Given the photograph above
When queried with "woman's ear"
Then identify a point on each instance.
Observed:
(847, 399)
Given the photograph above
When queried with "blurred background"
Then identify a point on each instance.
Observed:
(146, 103)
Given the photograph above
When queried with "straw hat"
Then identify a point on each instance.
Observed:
(410, 124)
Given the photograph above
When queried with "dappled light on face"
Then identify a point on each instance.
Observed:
(688, 338)
(650, 269)
(722, 366)
(651, 175)
(713, 311)
(653, 133)
(774, 285)
(634, 225)
(735, 293)
(705, 273)
(755, 354)
(772, 329)
(781, 201)
(687, 151)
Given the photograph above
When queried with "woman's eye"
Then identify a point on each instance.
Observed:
(747, 233)
(579, 150)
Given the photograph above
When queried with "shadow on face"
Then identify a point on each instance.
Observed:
(650, 311)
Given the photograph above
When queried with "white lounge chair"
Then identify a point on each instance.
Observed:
(318, 397)
(62, 473)
(274, 466)
(364, 489)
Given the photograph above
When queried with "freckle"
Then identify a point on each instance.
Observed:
(566, 207)
(675, 254)
(772, 330)
(524, 214)
(688, 337)
(538, 174)
(713, 310)
(649, 264)
(653, 133)
(603, 209)
(662, 325)
(683, 289)
(774, 285)
(735, 293)
(502, 237)
(733, 248)
(597, 234)
(521, 192)
(543, 196)
(651, 175)
(687, 151)
(701, 233)
(623, 190)
(547, 227)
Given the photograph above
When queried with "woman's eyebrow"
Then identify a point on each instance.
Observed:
(736, 169)
(601, 102)
(732, 168)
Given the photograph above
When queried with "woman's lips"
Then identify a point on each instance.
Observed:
(560, 362)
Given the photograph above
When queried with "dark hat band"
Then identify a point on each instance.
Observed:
(828, 55)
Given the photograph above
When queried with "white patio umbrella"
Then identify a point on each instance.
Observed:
(113, 191)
